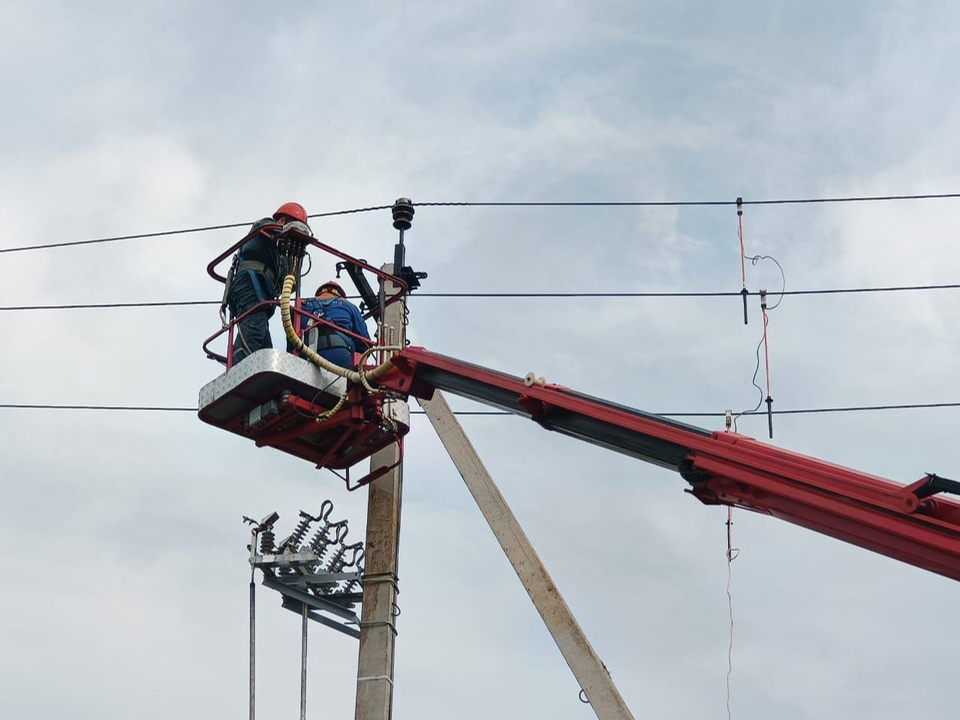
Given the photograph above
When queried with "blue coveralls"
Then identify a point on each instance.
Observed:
(255, 280)
(335, 346)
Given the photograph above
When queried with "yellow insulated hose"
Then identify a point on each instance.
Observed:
(353, 376)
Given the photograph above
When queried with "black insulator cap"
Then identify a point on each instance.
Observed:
(403, 213)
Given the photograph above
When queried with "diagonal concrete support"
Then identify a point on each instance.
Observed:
(587, 667)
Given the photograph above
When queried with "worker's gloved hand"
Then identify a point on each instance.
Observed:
(297, 225)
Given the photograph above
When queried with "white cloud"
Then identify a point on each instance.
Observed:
(192, 116)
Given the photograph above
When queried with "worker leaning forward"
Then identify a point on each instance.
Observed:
(330, 304)
(256, 279)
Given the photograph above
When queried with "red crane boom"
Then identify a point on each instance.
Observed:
(914, 524)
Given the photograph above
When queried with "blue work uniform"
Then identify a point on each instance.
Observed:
(254, 281)
(335, 346)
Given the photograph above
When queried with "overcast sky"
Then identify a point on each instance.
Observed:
(124, 593)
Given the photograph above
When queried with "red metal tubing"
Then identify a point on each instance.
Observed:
(212, 272)
(380, 472)
(404, 289)
(229, 358)
(915, 539)
(211, 266)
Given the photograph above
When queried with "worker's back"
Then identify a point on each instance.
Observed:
(337, 347)
(262, 248)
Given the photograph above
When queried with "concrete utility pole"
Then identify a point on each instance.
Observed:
(591, 673)
(377, 627)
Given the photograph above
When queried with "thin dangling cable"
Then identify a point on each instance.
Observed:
(732, 554)
(303, 661)
(762, 343)
(743, 259)
(253, 629)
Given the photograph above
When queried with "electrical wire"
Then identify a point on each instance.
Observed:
(101, 306)
(501, 413)
(694, 203)
(753, 381)
(783, 288)
(183, 231)
(754, 259)
(684, 294)
(351, 211)
(732, 554)
(517, 295)
(142, 408)
(118, 238)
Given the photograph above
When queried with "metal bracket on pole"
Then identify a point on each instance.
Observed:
(587, 667)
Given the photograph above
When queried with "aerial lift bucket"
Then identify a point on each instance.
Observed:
(280, 399)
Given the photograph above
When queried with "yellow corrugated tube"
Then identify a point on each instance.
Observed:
(352, 375)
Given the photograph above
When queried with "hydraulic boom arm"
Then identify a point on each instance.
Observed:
(913, 523)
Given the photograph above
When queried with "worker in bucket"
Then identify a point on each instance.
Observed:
(256, 278)
(330, 304)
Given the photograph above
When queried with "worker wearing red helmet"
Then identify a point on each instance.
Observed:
(290, 211)
(256, 278)
(330, 303)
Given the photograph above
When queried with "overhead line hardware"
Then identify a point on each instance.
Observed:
(651, 203)
(695, 203)
(184, 231)
(683, 293)
(743, 259)
(799, 411)
(546, 295)
(317, 575)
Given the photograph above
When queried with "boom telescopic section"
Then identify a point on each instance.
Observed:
(916, 523)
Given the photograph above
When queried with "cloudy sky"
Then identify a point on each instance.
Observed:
(124, 592)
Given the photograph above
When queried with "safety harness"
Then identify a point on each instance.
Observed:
(253, 269)
(327, 337)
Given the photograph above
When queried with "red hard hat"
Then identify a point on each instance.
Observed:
(293, 210)
(331, 284)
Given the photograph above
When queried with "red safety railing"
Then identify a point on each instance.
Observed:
(302, 322)
(212, 266)
(301, 319)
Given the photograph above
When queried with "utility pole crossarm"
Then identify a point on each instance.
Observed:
(586, 666)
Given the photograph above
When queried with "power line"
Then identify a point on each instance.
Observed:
(801, 411)
(517, 295)
(101, 306)
(688, 294)
(590, 203)
(117, 238)
(143, 408)
(184, 231)
(695, 203)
